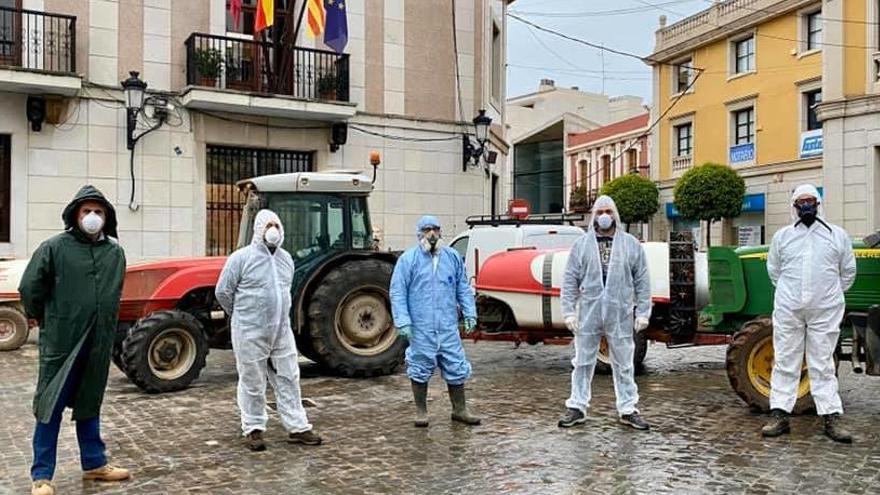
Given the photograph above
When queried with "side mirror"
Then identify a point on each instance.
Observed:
(872, 240)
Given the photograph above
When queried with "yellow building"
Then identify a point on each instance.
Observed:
(738, 84)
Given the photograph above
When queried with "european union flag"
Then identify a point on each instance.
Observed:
(336, 27)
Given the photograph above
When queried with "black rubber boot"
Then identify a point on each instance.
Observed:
(778, 424)
(834, 430)
(420, 395)
(460, 412)
(254, 441)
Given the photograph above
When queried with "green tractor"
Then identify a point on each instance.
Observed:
(740, 305)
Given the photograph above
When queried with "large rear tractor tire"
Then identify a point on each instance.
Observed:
(13, 328)
(603, 360)
(164, 351)
(750, 363)
(350, 323)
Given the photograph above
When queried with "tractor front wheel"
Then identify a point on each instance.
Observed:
(164, 351)
(750, 363)
(350, 324)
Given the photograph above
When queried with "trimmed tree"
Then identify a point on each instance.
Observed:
(709, 192)
(577, 200)
(636, 197)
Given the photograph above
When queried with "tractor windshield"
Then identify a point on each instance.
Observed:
(313, 223)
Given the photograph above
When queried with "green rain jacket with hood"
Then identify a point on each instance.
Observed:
(72, 286)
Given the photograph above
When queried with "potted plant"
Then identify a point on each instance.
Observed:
(209, 64)
(327, 86)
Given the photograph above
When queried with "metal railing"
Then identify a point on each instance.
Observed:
(718, 15)
(37, 40)
(681, 163)
(224, 62)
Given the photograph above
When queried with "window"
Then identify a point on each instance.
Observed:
(744, 126)
(744, 55)
(496, 63)
(539, 175)
(361, 231)
(632, 164)
(606, 169)
(583, 176)
(223, 202)
(684, 73)
(813, 35)
(811, 99)
(245, 23)
(684, 138)
(5, 186)
(319, 222)
(461, 246)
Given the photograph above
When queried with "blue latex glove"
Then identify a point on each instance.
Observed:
(405, 332)
(469, 325)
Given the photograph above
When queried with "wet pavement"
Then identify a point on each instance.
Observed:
(703, 439)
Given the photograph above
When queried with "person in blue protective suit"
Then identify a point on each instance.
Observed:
(428, 288)
(605, 279)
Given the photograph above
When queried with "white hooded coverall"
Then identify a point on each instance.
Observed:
(605, 309)
(254, 288)
(811, 268)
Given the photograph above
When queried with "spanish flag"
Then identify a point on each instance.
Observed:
(316, 21)
(265, 15)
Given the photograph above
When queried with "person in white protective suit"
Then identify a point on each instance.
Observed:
(254, 288)
(811, 263)
(606, 291)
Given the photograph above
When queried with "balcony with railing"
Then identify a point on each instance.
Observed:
(263, 78)
(37, 52)
(680, 164)
(713, 20)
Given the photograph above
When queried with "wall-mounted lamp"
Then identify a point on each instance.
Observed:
(135, 91)
(475, 153)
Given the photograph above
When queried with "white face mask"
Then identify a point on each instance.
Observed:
(92, 223)
(604, 221)
(273, 236)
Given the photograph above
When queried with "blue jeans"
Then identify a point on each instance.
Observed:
(88, 434)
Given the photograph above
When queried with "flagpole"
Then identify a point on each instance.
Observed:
(302, 13)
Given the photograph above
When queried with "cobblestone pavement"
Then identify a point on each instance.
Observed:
(704, 440)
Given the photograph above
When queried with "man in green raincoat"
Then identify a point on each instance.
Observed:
(72, 286)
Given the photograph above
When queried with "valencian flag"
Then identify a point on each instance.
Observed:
(315, 23)
(265, 15)
(336, 25)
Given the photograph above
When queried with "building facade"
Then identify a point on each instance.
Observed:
(227, 107)
(599, 156)
(739, 84)
(539, 126)
(850, 114)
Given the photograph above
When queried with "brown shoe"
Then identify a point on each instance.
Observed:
(304, 437)
(254, 441)
(107, 473)
(43, 487)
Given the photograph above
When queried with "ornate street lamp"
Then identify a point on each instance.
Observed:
(135, 91)
(475, 153)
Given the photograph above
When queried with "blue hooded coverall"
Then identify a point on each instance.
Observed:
(427, 291)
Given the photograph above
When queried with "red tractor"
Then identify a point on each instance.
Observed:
(341, 314)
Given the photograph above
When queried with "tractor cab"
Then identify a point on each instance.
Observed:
(323, 213)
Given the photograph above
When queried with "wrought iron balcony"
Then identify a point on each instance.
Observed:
(229, 63)
(37, 40)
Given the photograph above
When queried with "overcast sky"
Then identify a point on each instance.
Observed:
(626, 25)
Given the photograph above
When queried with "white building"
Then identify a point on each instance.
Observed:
(237, 109)
(538, 126)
